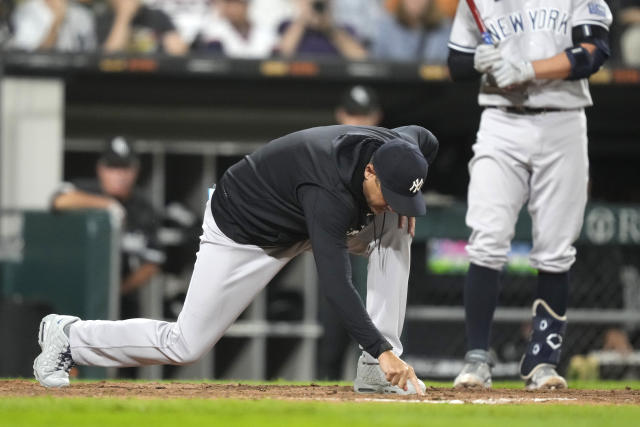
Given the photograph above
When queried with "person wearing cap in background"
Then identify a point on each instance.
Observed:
(329, 189)
(114, 190)
(359, 106)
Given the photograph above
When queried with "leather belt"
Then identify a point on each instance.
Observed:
(527, 110)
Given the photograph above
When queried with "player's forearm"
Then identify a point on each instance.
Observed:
(558, 66)
(81, 200)
(461, 66)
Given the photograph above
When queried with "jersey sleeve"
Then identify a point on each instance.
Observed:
(465, 35)
(592, 12)
(327, 222)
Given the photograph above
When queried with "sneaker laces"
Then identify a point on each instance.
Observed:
(65, 361)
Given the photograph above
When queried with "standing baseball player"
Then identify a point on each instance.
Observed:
(531, 148)
(330, 189)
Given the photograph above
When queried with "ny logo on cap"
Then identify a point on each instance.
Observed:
(417, 185)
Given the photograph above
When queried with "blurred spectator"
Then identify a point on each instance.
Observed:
(117, 172)
(188, 16)
(271, 12)
(129, 26)
(5, 12)
(361, 15)
(359, 106)
(447, 7)
(414, 30)
(230, 30)
(617, 340)
(629, 18)
(314, 33)
(62, 25)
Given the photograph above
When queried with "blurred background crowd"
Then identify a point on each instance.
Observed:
(390, 30)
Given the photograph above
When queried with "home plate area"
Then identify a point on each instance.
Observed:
(434, 395)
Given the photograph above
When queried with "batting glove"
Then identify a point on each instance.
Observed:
(485, 57)
(507, 73)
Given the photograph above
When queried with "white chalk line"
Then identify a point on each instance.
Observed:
(499, 401)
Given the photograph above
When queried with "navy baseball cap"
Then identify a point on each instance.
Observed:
(118, 154)
(401, 169)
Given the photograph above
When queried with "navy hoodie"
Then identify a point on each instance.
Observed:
(308, 185)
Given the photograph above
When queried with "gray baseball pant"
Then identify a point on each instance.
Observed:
(227, 276)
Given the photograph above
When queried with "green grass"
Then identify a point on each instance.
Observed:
(68, 412)
(54, 412)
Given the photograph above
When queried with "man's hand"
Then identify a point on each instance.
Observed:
(486, 56)
(507, 73)
(411, 227)
(398, 372)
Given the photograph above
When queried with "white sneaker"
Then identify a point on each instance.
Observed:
(476, 371)
(545, 377)
(371, 379)
(51, 367)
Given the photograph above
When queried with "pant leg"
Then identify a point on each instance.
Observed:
(226, 278)
(387, 274)
(498, 187)
(559, 190)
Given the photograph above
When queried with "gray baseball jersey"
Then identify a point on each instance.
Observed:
(530, 30)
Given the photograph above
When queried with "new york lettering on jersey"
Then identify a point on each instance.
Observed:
(529, 20)
(530, 30)
(505, 18)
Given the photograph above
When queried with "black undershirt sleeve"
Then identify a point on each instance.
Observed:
(461, 66)
(327, 222)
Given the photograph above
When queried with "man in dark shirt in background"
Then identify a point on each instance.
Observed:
(312, 189)
(114, 190)
(131, 27)
(313, 33)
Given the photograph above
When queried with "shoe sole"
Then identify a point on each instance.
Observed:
(368, 389)
(550, 384)
(467, 382)
(43, 381)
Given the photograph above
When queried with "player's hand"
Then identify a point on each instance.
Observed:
(486, 56)
(411, 224)
(398, 372)
(507, 73)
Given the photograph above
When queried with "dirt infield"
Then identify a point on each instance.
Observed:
(164, 390)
